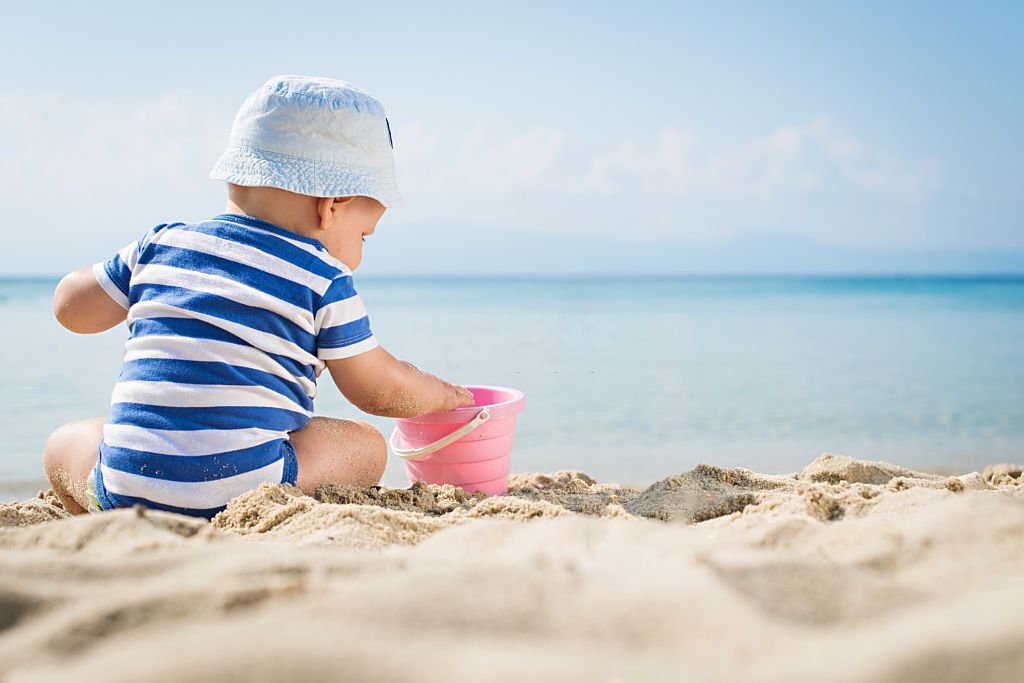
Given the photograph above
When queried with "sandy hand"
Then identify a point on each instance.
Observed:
(461, 398)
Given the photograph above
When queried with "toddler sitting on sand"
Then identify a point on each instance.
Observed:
(232, 320)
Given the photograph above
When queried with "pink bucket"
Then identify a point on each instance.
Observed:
(468, 447)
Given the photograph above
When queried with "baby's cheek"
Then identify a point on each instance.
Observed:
(354, 256)
(357, 255)
(349, 252)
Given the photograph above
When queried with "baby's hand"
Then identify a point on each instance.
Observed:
(460, 397)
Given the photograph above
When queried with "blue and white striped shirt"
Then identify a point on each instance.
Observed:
(231, 320)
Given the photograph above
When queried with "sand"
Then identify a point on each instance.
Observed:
(847, 571)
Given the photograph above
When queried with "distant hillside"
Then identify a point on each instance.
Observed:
(473, 252)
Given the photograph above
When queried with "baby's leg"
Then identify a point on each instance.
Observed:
(69, 455)
(330, 450)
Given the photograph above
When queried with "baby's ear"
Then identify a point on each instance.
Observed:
(325, 208)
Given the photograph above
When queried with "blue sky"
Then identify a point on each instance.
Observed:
(856, 125)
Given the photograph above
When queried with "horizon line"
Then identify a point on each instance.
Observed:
(860, 275)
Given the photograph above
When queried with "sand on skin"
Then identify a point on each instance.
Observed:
(848, 571)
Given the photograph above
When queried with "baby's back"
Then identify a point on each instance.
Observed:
(222, 360)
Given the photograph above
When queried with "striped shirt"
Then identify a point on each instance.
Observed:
(230, 321)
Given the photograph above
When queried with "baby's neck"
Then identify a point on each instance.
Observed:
(285, 209)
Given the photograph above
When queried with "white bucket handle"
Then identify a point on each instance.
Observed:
(417, 453)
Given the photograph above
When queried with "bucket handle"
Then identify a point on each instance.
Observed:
(417, 453)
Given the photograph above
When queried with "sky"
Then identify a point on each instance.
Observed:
(540, 132)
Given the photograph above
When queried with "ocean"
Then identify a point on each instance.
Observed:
(632, 380)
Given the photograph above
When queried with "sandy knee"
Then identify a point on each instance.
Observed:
(339, 451)
(63, 451)
(56, 447)
(375, 455)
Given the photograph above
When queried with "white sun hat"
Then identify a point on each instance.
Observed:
(314, 136)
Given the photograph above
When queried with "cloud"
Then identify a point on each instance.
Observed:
(791, 160)
(481, 159)
(82, 148)
(116, 144)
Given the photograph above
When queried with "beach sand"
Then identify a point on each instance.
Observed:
(847, 571)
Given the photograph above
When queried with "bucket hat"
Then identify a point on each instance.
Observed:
(314, 136)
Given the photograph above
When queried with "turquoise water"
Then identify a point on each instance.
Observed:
(633, 380)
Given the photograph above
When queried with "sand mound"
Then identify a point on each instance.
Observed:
(376, 517)
(420, 497)
(850, 571)
(540, 480)
(44, 508)
(705, 493)
(117, 532)
(835, 469)
(1004, 474)
(826, 490)
(573, 491)
(283, 512)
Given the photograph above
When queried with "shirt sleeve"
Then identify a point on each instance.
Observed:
(342, 326)
(115, 274)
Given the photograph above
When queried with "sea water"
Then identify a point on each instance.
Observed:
(632, 380)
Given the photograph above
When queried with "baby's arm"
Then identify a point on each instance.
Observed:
(82, 306)
(378, 383)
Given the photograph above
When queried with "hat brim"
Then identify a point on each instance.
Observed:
(253, 167)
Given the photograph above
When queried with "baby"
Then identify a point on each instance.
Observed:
(233, 319)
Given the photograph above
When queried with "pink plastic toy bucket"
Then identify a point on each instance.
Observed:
(468, 447)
